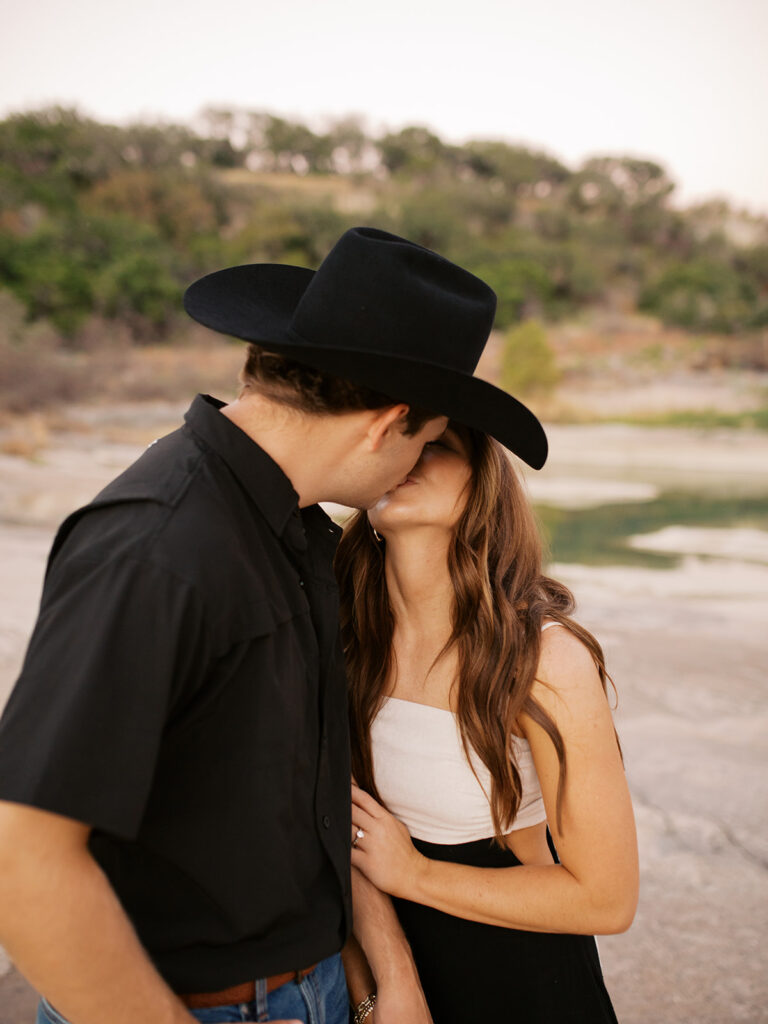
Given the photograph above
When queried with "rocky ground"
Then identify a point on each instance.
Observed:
(688, 649)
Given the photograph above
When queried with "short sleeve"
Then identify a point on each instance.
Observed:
(116, 642)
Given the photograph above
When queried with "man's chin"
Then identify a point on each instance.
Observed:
(363, 503)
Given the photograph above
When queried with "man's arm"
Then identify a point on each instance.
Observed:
(360, 980)
(63, 925)
(399, 994)
(65, 929)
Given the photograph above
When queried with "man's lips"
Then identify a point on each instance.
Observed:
(406, 480)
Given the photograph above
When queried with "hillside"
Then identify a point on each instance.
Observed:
(102, 227)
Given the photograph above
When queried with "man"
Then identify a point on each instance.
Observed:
(174, 774)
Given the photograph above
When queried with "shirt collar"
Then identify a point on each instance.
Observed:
(256, 471)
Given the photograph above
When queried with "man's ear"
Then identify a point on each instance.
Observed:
(383, 422)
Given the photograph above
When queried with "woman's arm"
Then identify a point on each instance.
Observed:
(594, 888)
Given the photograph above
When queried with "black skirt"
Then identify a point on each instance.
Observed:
(473, 973)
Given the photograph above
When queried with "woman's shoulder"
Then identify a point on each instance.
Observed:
(566, 664)
(561, 636)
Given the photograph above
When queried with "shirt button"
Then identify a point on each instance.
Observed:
(326, 821)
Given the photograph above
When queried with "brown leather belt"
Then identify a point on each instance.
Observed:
(244, 993)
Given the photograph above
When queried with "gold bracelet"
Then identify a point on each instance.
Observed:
(364, 1009)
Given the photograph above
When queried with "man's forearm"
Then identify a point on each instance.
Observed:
(360, 981)
(65, 929)
(398, 989)
(378, 931)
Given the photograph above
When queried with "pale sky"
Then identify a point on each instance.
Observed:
(683, 82)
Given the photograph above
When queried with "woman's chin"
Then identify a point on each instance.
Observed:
(386, 503)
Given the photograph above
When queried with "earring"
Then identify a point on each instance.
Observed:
(377, 535)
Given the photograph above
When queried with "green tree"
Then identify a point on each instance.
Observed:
(348, 145)
(634, 193)
(415, 152)
(428, 217)
(702, 295)
(523, 287)
(291, 146)
(175, 204)
(753, 262)
(50, 156)
(161, 146)
(513, 166)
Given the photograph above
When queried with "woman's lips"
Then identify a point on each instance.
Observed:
(407, 480)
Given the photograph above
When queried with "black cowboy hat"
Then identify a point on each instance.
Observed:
(383, 312)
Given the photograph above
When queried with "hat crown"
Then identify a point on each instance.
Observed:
(382, 294)
(385, 313)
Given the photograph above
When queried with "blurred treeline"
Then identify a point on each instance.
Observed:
(102, 227)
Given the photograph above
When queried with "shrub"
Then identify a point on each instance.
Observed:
(69, 269)
(528, 362)
(139, 289)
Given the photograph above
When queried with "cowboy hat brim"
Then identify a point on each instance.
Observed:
(256, 303)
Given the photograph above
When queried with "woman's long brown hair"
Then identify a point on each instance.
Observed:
(501, 599)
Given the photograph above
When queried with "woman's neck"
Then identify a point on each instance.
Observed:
(419, 585)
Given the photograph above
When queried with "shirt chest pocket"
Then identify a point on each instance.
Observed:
(262, 690)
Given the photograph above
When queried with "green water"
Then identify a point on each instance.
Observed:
(598, 536)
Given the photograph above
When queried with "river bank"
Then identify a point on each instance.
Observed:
(686, 646)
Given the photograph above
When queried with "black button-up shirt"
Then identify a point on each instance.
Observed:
(184, 694)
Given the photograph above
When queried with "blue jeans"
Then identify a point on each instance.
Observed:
(320, 998)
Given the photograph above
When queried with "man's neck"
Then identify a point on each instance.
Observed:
(307, 448)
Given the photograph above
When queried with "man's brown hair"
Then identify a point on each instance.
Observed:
(284, 380)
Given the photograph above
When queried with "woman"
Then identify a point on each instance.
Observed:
(480, 720)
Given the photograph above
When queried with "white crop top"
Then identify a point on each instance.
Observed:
(423, 777)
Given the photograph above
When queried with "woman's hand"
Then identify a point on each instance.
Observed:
(384, 853)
